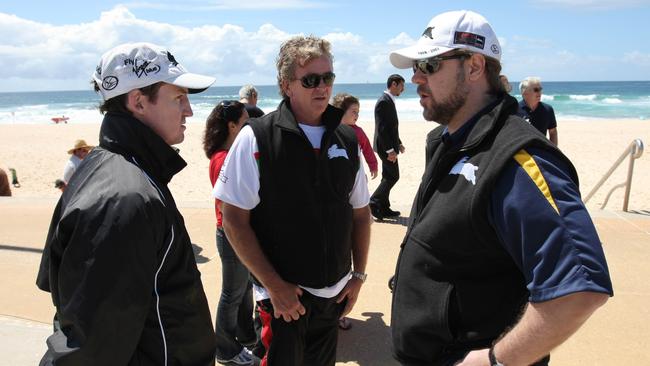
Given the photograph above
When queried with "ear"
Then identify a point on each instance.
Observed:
(134, 102)
(231, 126)
(476, 64)
(286, 89)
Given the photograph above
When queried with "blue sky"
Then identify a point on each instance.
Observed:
(48, 45)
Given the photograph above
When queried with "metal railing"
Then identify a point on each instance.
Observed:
(635, 150)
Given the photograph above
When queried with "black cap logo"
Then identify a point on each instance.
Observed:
(171, 59)
(428, 33)
(109, 83)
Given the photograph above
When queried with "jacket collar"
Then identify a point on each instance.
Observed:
(127, 136)
(490, 118)
(331, 118)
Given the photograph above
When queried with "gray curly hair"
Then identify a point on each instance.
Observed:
(298, 51)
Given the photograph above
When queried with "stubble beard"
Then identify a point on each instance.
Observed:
(443, 112)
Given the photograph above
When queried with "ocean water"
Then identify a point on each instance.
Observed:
(581, 100)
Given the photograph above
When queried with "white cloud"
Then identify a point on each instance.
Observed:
(401, 40)
(637, 58)
(592, 4)
(38, 56)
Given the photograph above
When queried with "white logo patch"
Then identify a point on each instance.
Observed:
(465, 169)
(335, 152)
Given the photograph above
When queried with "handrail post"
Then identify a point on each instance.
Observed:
(635, 153)
(634, 150)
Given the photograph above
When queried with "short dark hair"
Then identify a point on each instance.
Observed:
(117, 104)
(492, 73)
(216, 126)
(344, 101)
(395, 78)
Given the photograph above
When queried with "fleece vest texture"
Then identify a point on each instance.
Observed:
(456, 287)
(304, 219)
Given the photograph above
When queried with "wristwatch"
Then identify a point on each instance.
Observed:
(359, 275)
(493, 358)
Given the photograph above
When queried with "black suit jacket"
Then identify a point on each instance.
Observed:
(386, 127)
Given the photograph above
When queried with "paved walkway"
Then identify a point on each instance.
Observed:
(617, 335)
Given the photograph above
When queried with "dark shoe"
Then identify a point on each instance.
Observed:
(390, 213)
(376, 212)
(243, 358)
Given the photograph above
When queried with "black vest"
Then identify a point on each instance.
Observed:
(456, 287)
(304, 219)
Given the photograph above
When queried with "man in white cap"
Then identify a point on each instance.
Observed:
(118, 260)
(501, 262)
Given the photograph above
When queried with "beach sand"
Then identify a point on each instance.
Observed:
(39, 152)
(616, 335)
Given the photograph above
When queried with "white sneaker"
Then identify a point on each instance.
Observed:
(245, 358)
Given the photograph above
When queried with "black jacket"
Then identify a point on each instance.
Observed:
(118, 260)
(386, 127)
(304, 219)
(456, 286)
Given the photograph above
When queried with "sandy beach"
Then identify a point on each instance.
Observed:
(39, 152)
(617, 334)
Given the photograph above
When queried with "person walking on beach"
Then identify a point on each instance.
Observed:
(118, 260)
(536, 112)
(248, 95)
(387, 145)
(349, 104)
(295, 209)
(501, 262)
(77, 153)
(234, 322)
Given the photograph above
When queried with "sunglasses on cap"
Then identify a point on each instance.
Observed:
(311, 81)
(225, 106)
(432, 65)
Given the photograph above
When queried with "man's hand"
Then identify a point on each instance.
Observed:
(285, 298)
(392, 156)
(402, 148)
(476, 358)
(351, 292)
(373, 174)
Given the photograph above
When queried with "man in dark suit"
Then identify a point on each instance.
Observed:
(387, 145)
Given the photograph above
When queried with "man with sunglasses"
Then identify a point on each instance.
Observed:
(501, 262)
(295, 209)
(533, 110)
(388, 145)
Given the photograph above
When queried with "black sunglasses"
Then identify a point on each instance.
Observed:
(537, 90)
(311, 81)
(432, 65)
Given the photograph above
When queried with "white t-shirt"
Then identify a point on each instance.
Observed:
(239, 184)
(70, 167)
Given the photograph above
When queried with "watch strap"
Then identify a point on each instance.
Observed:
(359, 275)
(493, 358)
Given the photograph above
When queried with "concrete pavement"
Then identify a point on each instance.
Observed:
(616, 335)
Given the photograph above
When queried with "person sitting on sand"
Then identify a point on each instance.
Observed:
(77, 154)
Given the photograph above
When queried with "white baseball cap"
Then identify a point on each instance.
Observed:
(135, 65)
(460, 29)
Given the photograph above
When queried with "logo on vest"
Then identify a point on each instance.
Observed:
(335, 152)
(467, 170)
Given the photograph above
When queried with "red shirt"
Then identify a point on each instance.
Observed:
(216, 161)
(366, 148)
